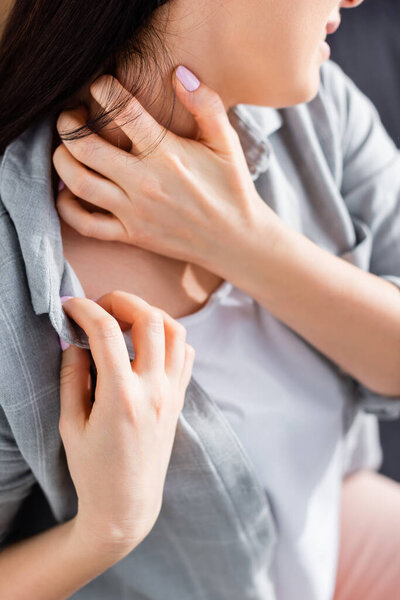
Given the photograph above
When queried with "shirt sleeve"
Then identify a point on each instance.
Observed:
(16, 479)
(370, 188)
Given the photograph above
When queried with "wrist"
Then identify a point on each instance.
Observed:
(101, 542)
(253, 244)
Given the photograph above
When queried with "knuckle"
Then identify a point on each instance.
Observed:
(84, 148)
(57, 153)
(157, 397)
(135, 303)
(67, 374)
(180, 331)
(65, 122)
(107, 327)
(129, 408)
(174, 160)
(82, 186)
(85, 228)
(152, 188)
(117, 294)
(64, 427)
(214, 104)
(154, 320)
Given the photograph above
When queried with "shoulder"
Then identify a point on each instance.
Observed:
(332, 107)
(335, 86)
(313, 130)
(338, 91)
(356, 118)
(343, 123)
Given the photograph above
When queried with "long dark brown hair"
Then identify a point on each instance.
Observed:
(51, 49)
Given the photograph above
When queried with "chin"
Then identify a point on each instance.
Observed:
(301, 91)
(307, 89)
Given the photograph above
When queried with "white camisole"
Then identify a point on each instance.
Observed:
(286, 409)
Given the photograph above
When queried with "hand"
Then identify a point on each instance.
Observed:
(184, 200)
(118, 448)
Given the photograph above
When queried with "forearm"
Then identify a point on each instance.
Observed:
(51, 565)
(351, 316)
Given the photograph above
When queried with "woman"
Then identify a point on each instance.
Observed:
(250, 500)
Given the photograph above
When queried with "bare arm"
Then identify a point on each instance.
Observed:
(351, 316)
(53, 564)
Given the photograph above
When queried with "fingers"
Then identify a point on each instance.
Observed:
(84, 183)
(91, 224)
(158, 340)
(188, 366)
(75, 387)
(92, 150)
(106, 340)
(206, 106)
(148, 334)
(141, 128)
(126, 307)
(175, 335)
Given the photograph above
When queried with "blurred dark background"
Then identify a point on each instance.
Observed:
(367, 47)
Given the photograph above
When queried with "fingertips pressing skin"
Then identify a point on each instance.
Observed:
(140, 127)
(207, 108)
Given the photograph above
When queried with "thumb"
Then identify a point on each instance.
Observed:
(215, 130)
(75, 388)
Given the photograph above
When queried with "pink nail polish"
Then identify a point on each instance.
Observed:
(64, 345)
(61, 185)
(187, 78)
(65, 298)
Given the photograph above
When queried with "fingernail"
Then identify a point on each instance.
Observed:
(61, 185)
(94, 299)
(187, 78)
(64, 345)
(65, 298)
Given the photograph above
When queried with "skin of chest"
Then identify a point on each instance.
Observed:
(178, 287)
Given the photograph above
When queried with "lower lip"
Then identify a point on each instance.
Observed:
(325, 49)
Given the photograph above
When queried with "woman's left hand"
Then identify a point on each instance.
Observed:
(188, 199)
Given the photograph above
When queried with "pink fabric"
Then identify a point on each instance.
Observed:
(369, 561)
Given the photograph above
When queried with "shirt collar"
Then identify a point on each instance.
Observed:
(254, 124)
(26, 190)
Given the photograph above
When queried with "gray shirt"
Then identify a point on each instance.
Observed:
(330, 171)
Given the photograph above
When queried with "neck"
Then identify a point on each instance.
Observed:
(160, 103)
(196, 51)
